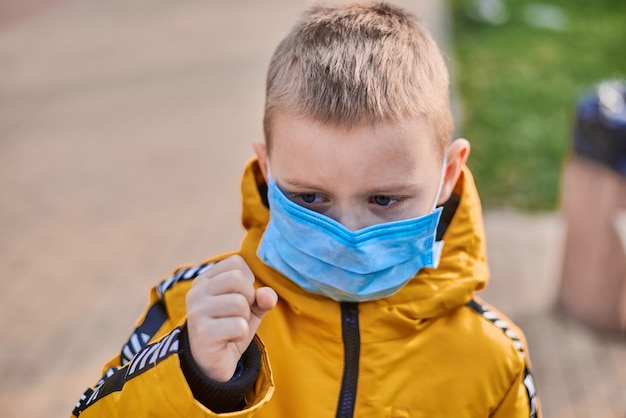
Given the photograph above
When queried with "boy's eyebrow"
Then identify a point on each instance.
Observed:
(299, 184)
(391, 188)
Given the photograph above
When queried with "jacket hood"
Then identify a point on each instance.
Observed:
(430, 293)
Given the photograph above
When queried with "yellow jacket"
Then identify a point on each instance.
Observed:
(429, 350)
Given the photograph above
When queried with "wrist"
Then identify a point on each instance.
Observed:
(219, 396)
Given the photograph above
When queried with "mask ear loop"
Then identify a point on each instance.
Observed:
(441, 177)
(269, 172)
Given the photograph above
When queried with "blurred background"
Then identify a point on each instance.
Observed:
(124, 127)
(522, 67)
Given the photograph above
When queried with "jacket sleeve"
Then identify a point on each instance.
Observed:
(521, 400)
(154, 374)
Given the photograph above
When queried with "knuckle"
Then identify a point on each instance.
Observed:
(240, 304)
(232, 262)
(240, 326)
(236, 259)
(203, 330)
(192, 295)
(241, 279)
(196, 300)
(238, 263)
(192, 307)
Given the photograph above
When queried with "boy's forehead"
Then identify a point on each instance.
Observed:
(384, 153)
(289, 130)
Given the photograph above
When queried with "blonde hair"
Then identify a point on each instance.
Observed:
(360, 63)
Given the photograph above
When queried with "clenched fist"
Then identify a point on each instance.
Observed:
(224, 311)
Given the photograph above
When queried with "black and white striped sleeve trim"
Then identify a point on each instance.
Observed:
(90, 395)
(115, 378)
(157, 314)
(182, 274)
(529, 381)
(136, 355)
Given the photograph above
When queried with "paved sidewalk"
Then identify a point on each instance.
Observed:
(124, 126)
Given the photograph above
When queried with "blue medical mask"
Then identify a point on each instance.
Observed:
(324, 257)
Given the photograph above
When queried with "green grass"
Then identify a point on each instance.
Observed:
(519, 86)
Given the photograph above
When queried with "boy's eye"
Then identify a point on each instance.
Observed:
(310, 200)
(308, 197)
(382, 200)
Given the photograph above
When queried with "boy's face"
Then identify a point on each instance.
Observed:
(358, 177)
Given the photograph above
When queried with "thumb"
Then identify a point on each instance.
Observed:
(265, 299)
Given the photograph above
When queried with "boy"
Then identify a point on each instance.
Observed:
(352, 292)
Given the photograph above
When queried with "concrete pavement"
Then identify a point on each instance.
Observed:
(124, 127)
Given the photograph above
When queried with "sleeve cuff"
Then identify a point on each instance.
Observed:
(220, 397)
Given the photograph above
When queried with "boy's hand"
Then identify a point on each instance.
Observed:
(223, 313)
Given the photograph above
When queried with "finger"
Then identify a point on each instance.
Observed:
(230, 304)
(234, 281)
(265, 300)
(232, 263)
(229, 329)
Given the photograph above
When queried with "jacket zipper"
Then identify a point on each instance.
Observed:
(352, 348)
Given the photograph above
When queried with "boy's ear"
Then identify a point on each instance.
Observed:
(260, 148)
(457, 155)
